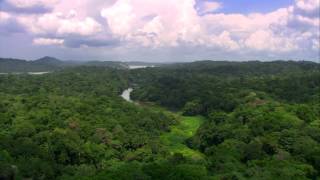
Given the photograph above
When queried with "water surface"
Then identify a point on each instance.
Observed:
(126, 94)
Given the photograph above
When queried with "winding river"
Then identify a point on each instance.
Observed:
(174, 140)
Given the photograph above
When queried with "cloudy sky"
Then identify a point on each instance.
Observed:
(160, 30)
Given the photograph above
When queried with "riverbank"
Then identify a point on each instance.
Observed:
(126, 94)
(179, 133)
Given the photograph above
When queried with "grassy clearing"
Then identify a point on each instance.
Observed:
(175, 139)
(179, 133)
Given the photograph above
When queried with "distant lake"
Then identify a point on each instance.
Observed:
(37, 73)
(138, 67)
(31, 73)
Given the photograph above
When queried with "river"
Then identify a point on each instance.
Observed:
(174, 140)
(126, 94)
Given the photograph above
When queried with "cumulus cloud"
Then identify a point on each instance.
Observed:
(171, 21)
(277, 32)
(121, 17)
(304, 14)
(60, 24)
(160, 24)
(224, 41)
(4, 16)
(267, 41)
(47, 41)
(308, 7)
(64, 18)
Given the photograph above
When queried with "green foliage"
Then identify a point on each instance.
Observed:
(72, 123)
(192, 108)
(262, 119)
(248, 120)
(256, 138)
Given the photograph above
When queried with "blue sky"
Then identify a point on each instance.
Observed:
(157, 30)
(251, 6)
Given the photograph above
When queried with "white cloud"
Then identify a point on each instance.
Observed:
(120, 17)
(178, 22)
(47, 41)
(307, 21)
(160, 24)
(4, 16)
(87, 26)
(225, 41)
(308, 5)
(266, 41)
(172, 21)
(60, 24)
(315, 45)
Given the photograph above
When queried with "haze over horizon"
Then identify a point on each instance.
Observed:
(160, 31)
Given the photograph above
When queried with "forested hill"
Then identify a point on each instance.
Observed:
(18, 65)
(73, 124)
(262, 119)
(46, 64)
(49, 64)
(228, 120)
(290, 81)
(245, 68)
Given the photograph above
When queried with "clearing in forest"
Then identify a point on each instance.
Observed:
(175, 139)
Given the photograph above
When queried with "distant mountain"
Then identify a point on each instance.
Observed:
(245, 67)
(47, 60)
(45, 64)
(20, 66)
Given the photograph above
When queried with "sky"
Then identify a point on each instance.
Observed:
(160, 30)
